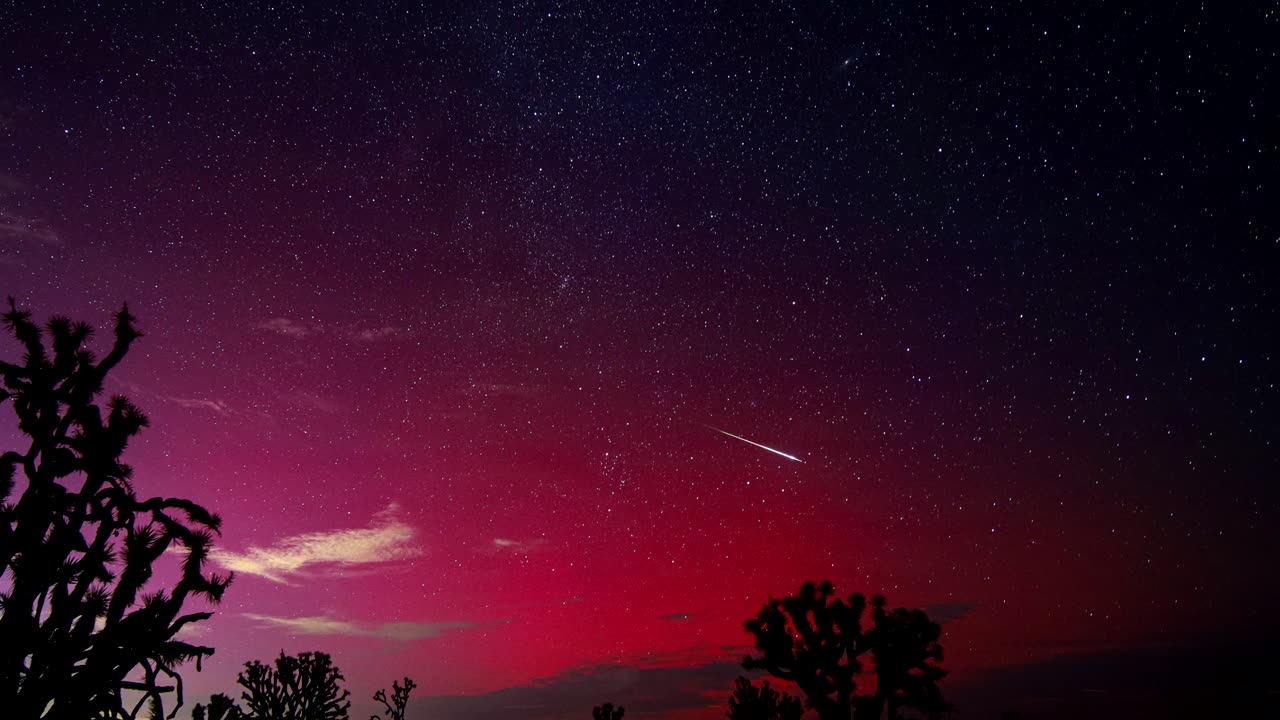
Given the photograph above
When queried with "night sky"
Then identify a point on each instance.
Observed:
(444, 305)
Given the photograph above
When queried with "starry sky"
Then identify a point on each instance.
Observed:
(443, 301)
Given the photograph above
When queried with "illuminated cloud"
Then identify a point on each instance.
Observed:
(388, 538)
(371, 334)
(193, 631)
(217, 406)
(948, 612)
(396, 631)
(509, 390)
(515, 547)
(10, 185)
(24, 229)
(287, 327)
(356, 333)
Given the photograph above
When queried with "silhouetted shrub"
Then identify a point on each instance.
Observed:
(220, 707)
(749, 702)
(305, 687)
(80, 624)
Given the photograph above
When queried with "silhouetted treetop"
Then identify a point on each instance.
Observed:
(812, 639)
(220, 707)
(81, 626)
(816, 639)
(399, 699)
(305, 687)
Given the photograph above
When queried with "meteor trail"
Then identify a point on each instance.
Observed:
(763, 447)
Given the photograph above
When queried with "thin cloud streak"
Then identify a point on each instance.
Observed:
(396, 631)
(217, 406)
(387, 539)
(23, 229)
(515, 547)
(354, 333)
(287, 327)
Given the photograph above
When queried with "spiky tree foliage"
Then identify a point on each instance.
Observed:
(396, 703)
(80, 624)
(749, 702)
(815, 640)
(220, 707)
(906, 649)
(305, 687)
(812, 639)
(607, 712)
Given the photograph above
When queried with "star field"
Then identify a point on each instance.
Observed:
(461, 288)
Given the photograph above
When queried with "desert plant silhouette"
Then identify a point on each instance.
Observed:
(812, 639)
(607, 712)
(815, 639)
(220, 707)
(906, 650)
(302, 687)
(80, 626)
(395, 705)
(749, 702)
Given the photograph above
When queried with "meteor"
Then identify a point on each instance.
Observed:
(763, 447)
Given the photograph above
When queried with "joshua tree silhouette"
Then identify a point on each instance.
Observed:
(812, 639)
(296, 688)
(904, 644)
(815, 640)
(749, 702)
(399, 699)
(80, 626)
(220, 707)
(607, 712)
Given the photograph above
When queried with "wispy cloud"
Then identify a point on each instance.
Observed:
(25, 229)
(396, 631)
(355, 333)
(372, 334)
(511, 390)
(192, 631)
(10, 185)
(947, 612)
(515, 547)
(387, 539)
(288, 328)
(217, 406)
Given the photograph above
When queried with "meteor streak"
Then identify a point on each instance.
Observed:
(763, 447)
